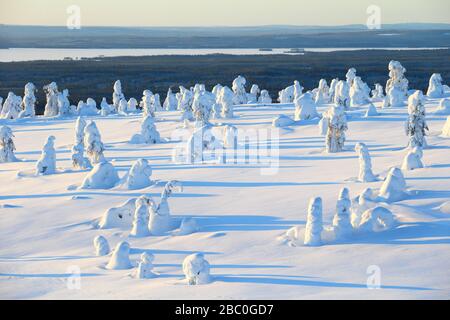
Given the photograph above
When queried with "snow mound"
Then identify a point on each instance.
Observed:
(282, 121)
(443, 108)
(376, 220)
(196, 269)
(138, 177)
(145, 267)
(120, 259)
(413, 159)
(101, 246)
(119, 217)
(394, 187)
(188, 226)
(102, 176)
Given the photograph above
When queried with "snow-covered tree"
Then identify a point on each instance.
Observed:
(105, 108)
(350, 76)
(314, 226)
(117, 95)
(47, 162)
(216, 90)
(149, 134)
(93, 143)
(123, 107)
(333, 85)
(138, 177)
(435, 87)
(185, 104)
(156, 102)
(446, 128)
(337, 125)
(413, 159)
(102, 176)
(376, 220)
(305, 107)
(240, 96)
(443, 108)
(141, 218)
(101, 246)
(120, 259)
(146, 104)
(11, 107)
(51, 93)
(64, 109)
(323, 92)
(394, 187)
(297, 90)
(145, 266)
(132, 104)
(202, 107)
(252, 97)
(342, 94)
(378, 93)
(226, 101)
(416, 124)
(287, 95)
(358, 93)
(397, 85)
(171, 101)
(79, 161)
(188, 226)
(7, 146)
(160, 218)
(264, 97)
(87, 109)
(196, 269)
(364, 202)
(29, 101)
(341, 221)
(365, 164)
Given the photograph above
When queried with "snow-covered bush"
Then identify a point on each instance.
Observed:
(160, 219)
(337, 125)
(196, 269)
(314, 226)
(51, 93)
(102, 176)
(287, 95)
(435, 87)
(341, 221)
(7, 146)
(264, 97)
(443, 108)
(47, 162)
(305, 107)
(416, 125)
(117, 95)
(93, 143)
(145, 266)
(240, 96)
(397, 85)
(119, 217)
(378, 93)
(446, 129)
(120, 259)
(394, 187)
(170, 103)
(29, 101)
(138, 177)
(376, 220)
(105, 108)
(149, 134)
(358, 93)
(146, 104)
(79, 161)
(11, 107)
(365, 164)
(252, 97)
(141, 218)
(226, 101)
(342, 94)
(101, 246)
(123, 107)
(365, 201)
(323, 92)
(282, 121)
(371, 111)
(413, 159)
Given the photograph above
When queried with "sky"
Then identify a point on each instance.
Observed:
(221, 13)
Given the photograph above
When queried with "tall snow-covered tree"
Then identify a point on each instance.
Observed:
(93, 143)
(79, 161)
(196, 269)
(435, 87)
(51, 93)
(11, 107)
(365, 164)
(323, 92)
(314, 226)
(156, 102)
(149, 134)
(7, 146)
(141, 218)
(226, 101)
(350, 76)
(416, 125)
(132, 104)
(341, 220)
(305, 107)
(117, 95)
(138, 177)
(29, 101)
(185, 104)
(171, 101)
(397, 85)
(358, 93)
(120, 258)
(264, 97)
(47, 162)
(202, 107)
(342, 94)
(252, 97)
(337, 125)
(146, 104)
(240, 96)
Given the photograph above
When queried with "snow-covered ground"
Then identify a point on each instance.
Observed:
(47, 226)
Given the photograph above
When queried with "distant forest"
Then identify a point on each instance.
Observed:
(95, 77)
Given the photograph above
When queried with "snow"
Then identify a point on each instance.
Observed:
(196, 269)
(46, 228)
(120, 259)
(101, 246)
(102, 176)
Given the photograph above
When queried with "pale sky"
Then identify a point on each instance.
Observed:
(220, 12)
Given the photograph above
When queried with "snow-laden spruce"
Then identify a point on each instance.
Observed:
(394, 187)
(156, 102)
(66, 110)
(105, 108)
(323, 92)
(120, 259)
(11, 107)
(287, 95)
(102, 176)
(93, 143)
(435, 87)
(170, 103)
(365, 163)
(141, 218)
(413, 159)
(145, 266)
(341, 221)
(149, 134)
(117, 95)
(146, 104)
(342, 94)
(123, 107)
(7, 146)
(350, 76)
(252, 97)
(396, 86)
(443, 108)
(305, 107)
(378, 92)
(226, 97)
(160, 219)
(101, 246)
(202, 107)
(358, 93)
(87, 109)
(416, 125)
(314, 226)
(29, 101)
(51, 93)
(196, 269)
(337, 125)
(132, 104)
(264, 97)
(240, 96)
(185, 104)
(47, 162)
(332, 91)
(446, 129)
(376, 220)
(364, 201)
(138, 177)
(79, 161)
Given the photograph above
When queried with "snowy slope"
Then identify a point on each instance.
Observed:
(44, 231)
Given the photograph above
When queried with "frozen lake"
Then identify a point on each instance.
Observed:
(31, 54)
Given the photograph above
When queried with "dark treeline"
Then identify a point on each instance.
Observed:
(95, 77)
